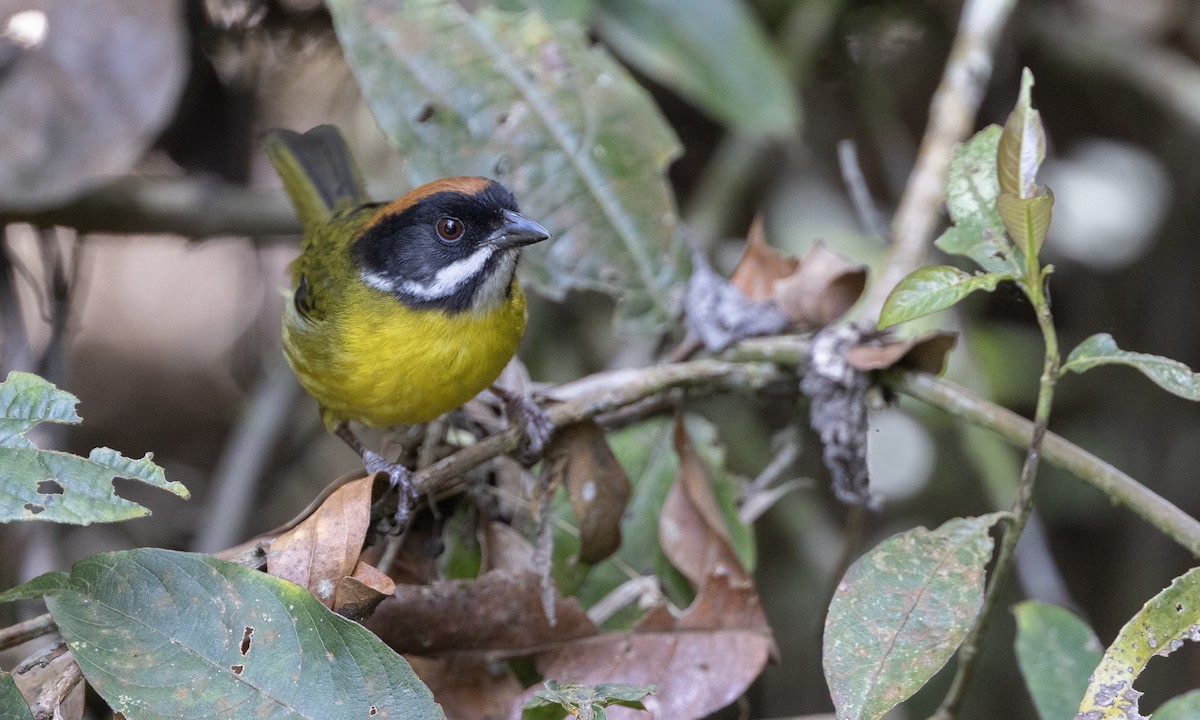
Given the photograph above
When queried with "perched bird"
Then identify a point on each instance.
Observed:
(400, 311)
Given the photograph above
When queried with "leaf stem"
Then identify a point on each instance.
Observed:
(968, 653)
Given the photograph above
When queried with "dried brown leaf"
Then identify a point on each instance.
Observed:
(699, 663)
(499, 613)
(691, 529)
(824, 286)
(926, 353)
(359, 594)
(596, 485)
(325, 547)
(468, 687)
(505, 549)
(760, 266)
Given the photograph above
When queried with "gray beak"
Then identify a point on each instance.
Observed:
(518, 231)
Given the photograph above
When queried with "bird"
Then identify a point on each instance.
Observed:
(399, 311)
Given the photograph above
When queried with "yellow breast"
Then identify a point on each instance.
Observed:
(378, 362)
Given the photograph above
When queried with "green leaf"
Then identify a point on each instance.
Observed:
(1184, 707)
(900, 613)
(1159, 628)
(12, 705)
(1056, 652)
(988, 246)
(971, 192)
(58, 486)
(931, 289)
(719, 59)
(1026, 219)
(1022, 145)
(548, 113)
(1170, 375)
(583, 701)
(162, 634)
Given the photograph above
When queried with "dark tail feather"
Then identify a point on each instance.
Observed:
(318, 171)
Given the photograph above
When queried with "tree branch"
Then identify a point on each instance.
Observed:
(192, 207)
(1150, 506)
(951, 119)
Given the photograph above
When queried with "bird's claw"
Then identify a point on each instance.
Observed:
(535, 424)
(400, 478)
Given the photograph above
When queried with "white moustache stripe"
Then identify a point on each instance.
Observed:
(449, 279)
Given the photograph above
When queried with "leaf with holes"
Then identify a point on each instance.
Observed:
(162, 634)
(1056, 652)
(1170, 375)
(548, 113)
(1160, 628)
(931, 289)
(58, 486)
(901, 611)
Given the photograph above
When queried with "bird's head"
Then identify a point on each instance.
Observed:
(452, 244)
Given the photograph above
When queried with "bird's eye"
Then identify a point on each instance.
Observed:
(449, 229)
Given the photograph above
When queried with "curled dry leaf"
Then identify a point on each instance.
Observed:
(359, 594)
(824, 286)
(325, 547)
(699, 662)
(926, 353)
(691, 529)
(596, 485)
(761, 266)
(499, 612)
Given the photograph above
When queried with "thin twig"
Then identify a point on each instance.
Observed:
(15, 352)
(1119, 487)
(27, 630)
(240, 467)
(60, 285)
(951, 119)
(860, 194)
(598, 394)
(192, 207)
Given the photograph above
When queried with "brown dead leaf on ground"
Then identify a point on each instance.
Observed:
(596, 484)
(498, 613)
(468, 687)
(504, 549)
(325, 546)
(699, 662)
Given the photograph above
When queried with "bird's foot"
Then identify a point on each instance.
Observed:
(535, 424)
(401, 479)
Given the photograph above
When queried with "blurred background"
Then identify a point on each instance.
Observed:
(121, 117)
